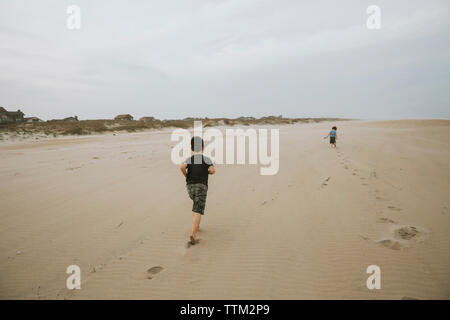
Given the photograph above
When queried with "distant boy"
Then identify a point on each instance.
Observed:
(333, 137)
(196, 170)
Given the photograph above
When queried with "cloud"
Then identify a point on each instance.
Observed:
(174, 59)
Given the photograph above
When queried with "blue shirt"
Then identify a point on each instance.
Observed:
(333, 133)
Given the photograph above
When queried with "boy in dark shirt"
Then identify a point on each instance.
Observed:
(196, 170)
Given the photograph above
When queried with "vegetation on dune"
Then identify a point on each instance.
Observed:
(85, 127)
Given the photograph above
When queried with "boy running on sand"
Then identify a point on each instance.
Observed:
(333, 137)
(196, 170)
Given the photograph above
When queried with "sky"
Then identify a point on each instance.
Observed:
(173, 59)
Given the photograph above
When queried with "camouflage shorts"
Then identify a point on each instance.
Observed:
(197, 192)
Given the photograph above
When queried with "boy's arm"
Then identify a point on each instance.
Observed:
(183, 169)
(211, 169)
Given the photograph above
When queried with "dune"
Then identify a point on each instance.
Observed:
(116, 206)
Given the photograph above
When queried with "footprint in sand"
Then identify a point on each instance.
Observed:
(403, 236)
(74, 168)
(154, 270)
(385, 220)
(324, 183)
(394, 208)
(391, 244)
(407, 232)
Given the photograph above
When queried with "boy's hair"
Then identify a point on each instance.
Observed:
(197, 144)
(334, 128)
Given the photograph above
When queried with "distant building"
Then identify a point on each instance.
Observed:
(68, 119)
(72, 119)
(146, 119)
(124, 117)
(32, 119)
(10, 116)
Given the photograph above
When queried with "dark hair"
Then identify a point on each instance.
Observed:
(197, 144)
(334, 128)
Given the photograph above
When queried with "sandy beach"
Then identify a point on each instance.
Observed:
(116, 206)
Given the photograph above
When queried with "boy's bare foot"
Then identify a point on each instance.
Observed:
(192, 240)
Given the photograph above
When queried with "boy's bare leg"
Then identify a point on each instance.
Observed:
(195, 225)
(193, 216)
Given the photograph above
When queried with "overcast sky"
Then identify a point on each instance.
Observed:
(226, 58)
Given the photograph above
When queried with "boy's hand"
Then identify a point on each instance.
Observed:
(211, 170)
(183, 169)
